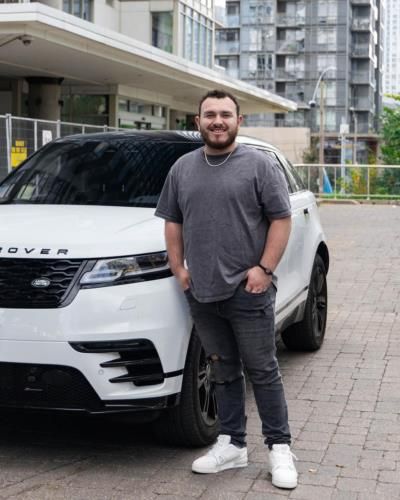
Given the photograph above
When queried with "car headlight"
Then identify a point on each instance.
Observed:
(127, 269)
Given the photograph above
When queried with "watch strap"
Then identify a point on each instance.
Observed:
(266, 270)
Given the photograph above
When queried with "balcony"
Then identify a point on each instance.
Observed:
(366, 77)
(260, 74)
(290, 21)
(289, 47)
(362, 24)
(292, 96)
(362, 103)
(362, 50)
(223, 48)
(232, 21)
(248, 20)
(362, 2)
(288, 75)
(266, 45)
(233, 73)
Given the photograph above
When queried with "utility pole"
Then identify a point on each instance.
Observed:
(321, 136)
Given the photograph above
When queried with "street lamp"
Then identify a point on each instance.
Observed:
(312, 103)
(354, 114)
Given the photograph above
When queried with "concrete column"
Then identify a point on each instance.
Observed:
(113, 110)
(16, 103)
(44, 99)
(176, 119)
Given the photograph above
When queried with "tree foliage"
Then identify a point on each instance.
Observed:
(391, 146)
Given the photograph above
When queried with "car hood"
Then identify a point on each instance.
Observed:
(60, 231)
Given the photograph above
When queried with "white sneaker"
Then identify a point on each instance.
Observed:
(223, 455)
(284, 474)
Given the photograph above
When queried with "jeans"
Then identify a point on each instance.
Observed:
(240, 332)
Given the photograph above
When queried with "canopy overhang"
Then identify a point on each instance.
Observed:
(39, 41)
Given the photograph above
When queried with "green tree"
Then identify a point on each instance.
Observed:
(390, 179)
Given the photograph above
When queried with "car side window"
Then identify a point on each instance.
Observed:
(291, 174)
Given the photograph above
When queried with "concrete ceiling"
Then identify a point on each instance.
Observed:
(36, 40)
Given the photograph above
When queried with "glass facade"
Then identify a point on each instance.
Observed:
(79, 8)
(196, 34)
(162, 30)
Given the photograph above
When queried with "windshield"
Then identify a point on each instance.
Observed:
(116, 171)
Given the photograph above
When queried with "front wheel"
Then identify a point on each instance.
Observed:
(194, 422)
(308, 334)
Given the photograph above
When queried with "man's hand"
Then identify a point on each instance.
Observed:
(183, 277)
(257, 280)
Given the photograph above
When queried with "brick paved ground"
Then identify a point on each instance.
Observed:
(344, 404)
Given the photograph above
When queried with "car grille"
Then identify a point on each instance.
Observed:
(45, 386)
(17, 275)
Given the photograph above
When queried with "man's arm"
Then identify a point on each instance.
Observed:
(174, 241)
(277, 239)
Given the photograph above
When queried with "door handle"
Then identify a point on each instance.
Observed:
(306, 212)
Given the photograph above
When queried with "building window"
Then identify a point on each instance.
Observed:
(328, 10)
(327, 36)
(90, 109)
(196, 36)
(79, 8)
(232, 9)
(231, 65)
(162, 30)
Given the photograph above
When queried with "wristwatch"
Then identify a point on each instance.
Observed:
(266, 270)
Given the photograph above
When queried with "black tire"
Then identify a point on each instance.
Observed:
(308, 334)
(194, 422)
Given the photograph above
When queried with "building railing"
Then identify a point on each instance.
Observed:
(227, 47)
(20, 137)
(369, 182)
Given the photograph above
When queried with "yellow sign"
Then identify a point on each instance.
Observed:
(19, 153)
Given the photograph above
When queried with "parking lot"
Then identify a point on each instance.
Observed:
(344, 403)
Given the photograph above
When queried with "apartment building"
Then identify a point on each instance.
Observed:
(300, 49)
(129, 63)
(391, 72)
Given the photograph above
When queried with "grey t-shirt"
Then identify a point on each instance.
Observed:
(225, 212)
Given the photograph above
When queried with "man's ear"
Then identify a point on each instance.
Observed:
(240, 119)
(197, 121)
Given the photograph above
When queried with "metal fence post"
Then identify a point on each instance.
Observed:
(58, 129)
(368, 186)
(335, 181)
(8, 141)
(35, 137)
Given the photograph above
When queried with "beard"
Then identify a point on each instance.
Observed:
(218, 144)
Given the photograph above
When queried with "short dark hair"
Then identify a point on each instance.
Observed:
(219, 94)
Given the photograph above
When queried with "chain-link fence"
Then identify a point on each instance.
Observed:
(20, 137)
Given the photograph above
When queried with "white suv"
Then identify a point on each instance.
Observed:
(91, 318)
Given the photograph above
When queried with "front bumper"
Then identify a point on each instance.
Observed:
(128, 343)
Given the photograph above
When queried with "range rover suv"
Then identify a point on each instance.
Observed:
(91, 318)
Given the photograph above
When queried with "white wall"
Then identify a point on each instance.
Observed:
(292, 141)
(135, 20)
(135, 17)
(106, 14)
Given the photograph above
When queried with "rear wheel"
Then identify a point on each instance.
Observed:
(308, 334)
(195, 421)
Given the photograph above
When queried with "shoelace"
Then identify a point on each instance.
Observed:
(215, 452)
(286, 457)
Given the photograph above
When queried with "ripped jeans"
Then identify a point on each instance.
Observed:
(237, 332)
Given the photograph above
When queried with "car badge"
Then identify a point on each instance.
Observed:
(40, 283)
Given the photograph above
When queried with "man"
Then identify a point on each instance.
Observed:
(228, 220)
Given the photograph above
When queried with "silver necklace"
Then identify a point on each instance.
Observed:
(217, 164)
